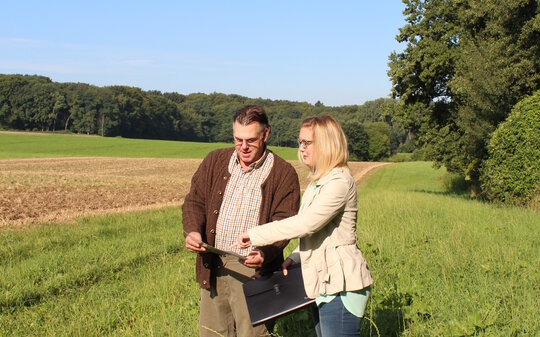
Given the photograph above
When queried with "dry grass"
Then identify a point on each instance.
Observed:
(60, 189)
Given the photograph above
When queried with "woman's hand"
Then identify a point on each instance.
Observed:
(287, 263)
(243, 240)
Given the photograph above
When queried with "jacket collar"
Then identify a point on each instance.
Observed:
(329, 175)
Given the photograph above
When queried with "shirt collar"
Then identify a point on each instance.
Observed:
(258, 163)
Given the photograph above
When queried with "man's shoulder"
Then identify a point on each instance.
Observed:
(281, 165)
(216, 160)
(219, 154)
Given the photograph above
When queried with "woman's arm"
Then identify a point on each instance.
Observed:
(329, 201)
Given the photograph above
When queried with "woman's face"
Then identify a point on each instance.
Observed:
(306, 146)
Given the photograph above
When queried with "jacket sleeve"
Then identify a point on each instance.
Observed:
(286, 202)
(326, 205)
(194, 207)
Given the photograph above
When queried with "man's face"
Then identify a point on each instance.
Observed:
(249, 142)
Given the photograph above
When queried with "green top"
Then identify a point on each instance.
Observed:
(354, 301)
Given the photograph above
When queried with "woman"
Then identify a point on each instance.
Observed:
(334, 270)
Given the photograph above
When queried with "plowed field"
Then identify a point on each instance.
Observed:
(58, 190)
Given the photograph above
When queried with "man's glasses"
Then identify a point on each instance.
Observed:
(304, 143)
(250, 141)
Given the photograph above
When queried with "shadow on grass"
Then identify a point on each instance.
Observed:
(456, 185)
(300, 323)
(387, 318)
(466, 195)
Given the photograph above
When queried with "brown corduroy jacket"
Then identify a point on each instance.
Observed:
(280, 199)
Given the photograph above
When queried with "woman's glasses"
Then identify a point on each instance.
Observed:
(304, 143)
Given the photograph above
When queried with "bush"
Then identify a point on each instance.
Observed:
(512, 172)
(418, 155)
(455, 183)
(400, 157)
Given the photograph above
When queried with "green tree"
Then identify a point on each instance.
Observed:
(465, 64)
(357, 140)
(60, 109)
(379, 140)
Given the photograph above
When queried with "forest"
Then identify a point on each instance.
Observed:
(36, 103)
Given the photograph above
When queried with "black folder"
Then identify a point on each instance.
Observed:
(275, 295)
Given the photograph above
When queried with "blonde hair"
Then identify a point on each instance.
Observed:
(330, 145)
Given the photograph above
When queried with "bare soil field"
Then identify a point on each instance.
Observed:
(58, 190)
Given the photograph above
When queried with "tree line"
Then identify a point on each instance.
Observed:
(36, 103)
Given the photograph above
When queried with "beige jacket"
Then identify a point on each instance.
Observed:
(326, 226)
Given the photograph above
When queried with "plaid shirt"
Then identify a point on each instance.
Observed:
(242, 200)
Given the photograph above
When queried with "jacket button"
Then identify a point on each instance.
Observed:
(204, 282)
(219, 192)
(206, 265)
(213, 231)
(215, 211)
(224, 178)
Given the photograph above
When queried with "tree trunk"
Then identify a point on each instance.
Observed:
(102, 124)
(67, 121)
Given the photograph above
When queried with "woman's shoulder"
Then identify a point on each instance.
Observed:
(338, 176)
(340, 173)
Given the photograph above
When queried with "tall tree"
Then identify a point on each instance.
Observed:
(378, 135)
(464, 65)
(498, 64)
(357, 140)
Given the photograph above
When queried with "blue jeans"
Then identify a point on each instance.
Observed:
(335, 320)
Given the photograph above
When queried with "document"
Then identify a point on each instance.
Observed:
(220, 252)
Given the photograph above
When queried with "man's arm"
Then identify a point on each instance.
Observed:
(194, 207)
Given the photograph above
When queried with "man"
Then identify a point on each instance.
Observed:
(231, 191)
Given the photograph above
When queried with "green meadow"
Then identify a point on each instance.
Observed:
(47, 145)
(443, 264)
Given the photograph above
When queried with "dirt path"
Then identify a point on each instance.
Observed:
(59, 190)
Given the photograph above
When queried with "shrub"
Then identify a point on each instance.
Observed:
(455, 183)
(418, 155)
(400, 157)
(512, 172)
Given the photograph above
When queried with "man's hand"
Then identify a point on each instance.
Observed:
(255, 259)
(194, 242)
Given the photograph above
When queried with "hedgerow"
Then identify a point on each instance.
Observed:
(512, 172)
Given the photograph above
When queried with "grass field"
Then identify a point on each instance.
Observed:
(443, 265)
(14, 145)
(60, 189)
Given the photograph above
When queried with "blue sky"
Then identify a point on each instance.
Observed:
(332, 51)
